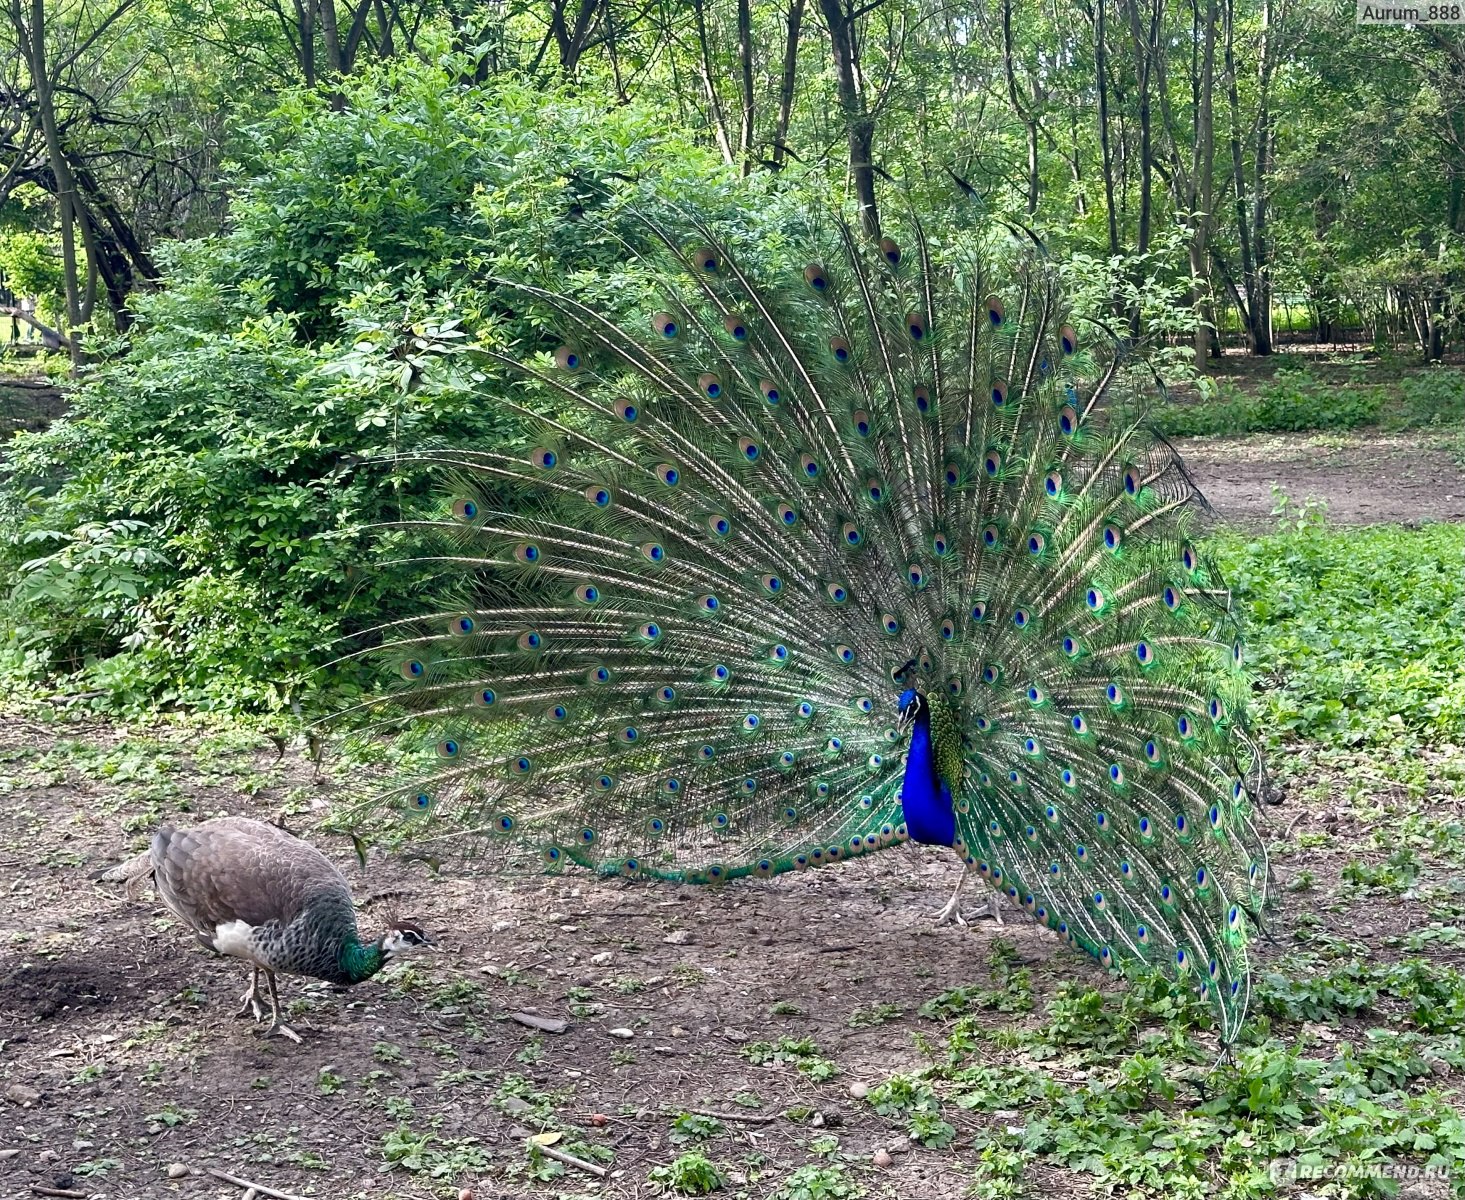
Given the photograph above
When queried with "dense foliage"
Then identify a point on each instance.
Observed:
(1269, 154)
(199, 530)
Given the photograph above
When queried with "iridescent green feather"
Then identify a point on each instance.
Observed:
(751, 504)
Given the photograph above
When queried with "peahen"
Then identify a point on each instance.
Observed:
(256, 892)
(801, 559)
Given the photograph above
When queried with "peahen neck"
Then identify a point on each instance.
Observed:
(925, 798)
(361, 960)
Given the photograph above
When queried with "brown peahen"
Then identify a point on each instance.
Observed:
(256, 892)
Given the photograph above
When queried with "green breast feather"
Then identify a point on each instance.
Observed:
(946, 742)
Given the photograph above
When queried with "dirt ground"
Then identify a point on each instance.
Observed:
(1365, 479)
(121, 1058)
(124, 1027)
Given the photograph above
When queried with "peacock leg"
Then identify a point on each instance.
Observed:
(950, 913)
(277, 1025)
(994, 907)
(251, 998)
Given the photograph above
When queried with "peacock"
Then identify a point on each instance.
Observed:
(256, 892)
(816, 544)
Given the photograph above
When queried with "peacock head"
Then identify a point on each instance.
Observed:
(912, 704)
(402, 936)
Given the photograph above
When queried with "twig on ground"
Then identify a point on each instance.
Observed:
(748, 1118)
(571, 1161)
(261, 1188)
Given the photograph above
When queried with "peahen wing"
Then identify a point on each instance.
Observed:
(748, 507)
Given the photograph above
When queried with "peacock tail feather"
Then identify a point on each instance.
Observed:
(761, 506)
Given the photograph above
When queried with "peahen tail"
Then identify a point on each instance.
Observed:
(794, 555)
(134, 874)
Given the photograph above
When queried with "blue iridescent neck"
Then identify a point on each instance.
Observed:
(930, 816)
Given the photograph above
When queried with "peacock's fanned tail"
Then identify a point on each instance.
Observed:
(750, 508)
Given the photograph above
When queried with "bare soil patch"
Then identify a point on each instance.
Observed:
(1366, 478)
(123, 1026)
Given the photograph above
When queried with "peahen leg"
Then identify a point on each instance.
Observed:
(250, 998)
(277, 1025)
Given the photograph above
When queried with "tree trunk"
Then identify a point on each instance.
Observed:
(1075, 162)
(859, 124)
(305, 22)
(1101, 73)
(33, 48)
(1146, 47)
(786, 84)
(1262, 302)
(745, 63)
(1202, 204)
(1246, 297)
(357, 33)
(136, 260)
(570, 40)
(615, 55)
(1024, 112)
(384, 46)
(709, 85)
(1193, 185)
(331, 35)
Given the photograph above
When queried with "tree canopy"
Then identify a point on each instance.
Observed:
(1262, 151)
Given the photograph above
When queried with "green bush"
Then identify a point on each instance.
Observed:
(1293, 400)
(1435, 397)
(197, 531)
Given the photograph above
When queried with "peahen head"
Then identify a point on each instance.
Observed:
(362, 960)
(403, 936)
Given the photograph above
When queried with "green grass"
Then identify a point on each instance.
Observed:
(1295, 399)
(1361, 632)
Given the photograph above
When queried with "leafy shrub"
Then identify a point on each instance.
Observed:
(1435, 397)
(198, 530)
(691, 1174)
(193, 526)
(1294, 400)
(1291, 401)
